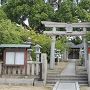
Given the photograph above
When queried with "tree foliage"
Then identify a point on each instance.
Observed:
(61, 44)
(69, 11)
(66, 12)
(35, 10)
(9, 32)
(2, 14)
(84, 10)
(76, 40)
(88, 36)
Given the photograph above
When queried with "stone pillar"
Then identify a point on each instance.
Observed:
(33, 67)
(85, 48)
(37, 65)
(89, 67)
(0, 68)
(44, 67)
(80, 53)
(52, 54)
(65, 55)
(28, 68)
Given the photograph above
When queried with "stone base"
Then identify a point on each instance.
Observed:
(16, 81)
(89, 83)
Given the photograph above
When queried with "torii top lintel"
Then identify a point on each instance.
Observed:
(69, 28)
(59, 24)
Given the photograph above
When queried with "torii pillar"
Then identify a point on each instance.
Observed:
(52, 55)
(85, 48)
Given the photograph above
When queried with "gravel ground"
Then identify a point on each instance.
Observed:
(9, 87)
(84, 88)
(26, 87)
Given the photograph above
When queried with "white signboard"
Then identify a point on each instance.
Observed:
(19, 58)
(15, 58)
(9, 57)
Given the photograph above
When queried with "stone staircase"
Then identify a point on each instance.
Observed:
(54, 76)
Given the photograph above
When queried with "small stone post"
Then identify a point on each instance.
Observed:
(44, 67)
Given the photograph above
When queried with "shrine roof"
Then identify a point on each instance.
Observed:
(72, 45)
(14, 46)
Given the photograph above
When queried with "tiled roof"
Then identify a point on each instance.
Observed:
(14, 46)
(72, 45)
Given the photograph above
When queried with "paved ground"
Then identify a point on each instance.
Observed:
(69, 70)
(66, 86)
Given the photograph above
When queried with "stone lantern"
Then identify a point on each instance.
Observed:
(37, 52)
(57, 52)
(29, 54)
(28, 42)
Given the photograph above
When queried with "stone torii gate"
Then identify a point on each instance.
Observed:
(69, 31)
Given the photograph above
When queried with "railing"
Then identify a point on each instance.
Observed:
(32, 69)
(13, 70)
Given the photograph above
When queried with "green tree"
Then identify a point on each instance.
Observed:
(84, 10)
(88, 36)
(9, 32)
(2, 14)
(69, 11)
(35, 10)
(76, 40)
(61, 44)
(66, 12)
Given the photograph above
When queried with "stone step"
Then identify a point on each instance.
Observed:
(54, 72)
(81, 73)
(54, 75)
(59, 76)
(67, 78)
(51, 84)
(77, 76)
(54, 81)
(81, 79)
